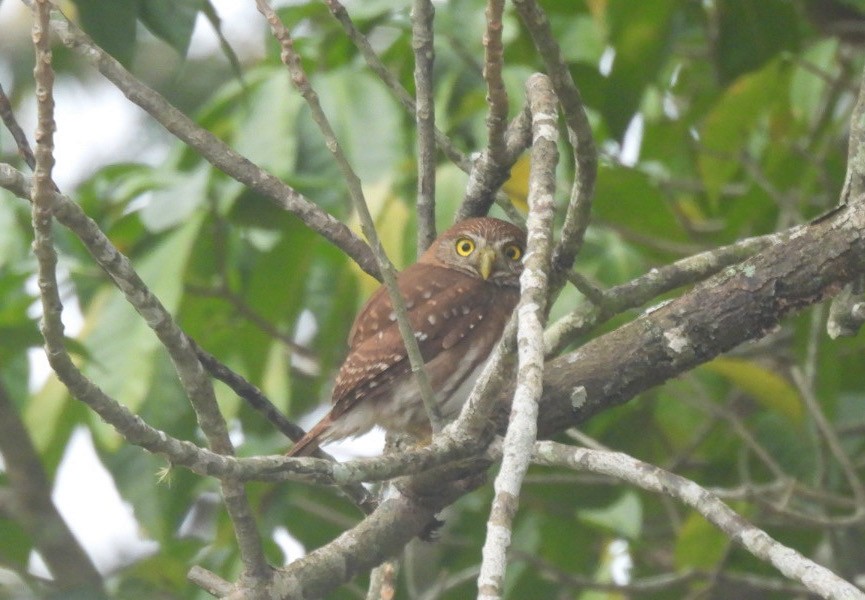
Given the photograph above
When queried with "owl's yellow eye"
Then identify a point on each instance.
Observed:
(465, 246)
(513, 252)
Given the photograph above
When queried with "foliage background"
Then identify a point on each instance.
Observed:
(741, 111)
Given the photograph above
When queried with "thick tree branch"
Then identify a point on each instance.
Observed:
(740, 304)
(604, 305)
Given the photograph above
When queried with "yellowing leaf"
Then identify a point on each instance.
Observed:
(517, 185)
(762, 384)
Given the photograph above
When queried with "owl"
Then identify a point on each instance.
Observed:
(459, 296)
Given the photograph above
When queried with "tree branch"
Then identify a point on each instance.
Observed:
(742, 303)
(531, 315)
(214, 150)
(579, 135)
(643, 289)
(815, 577)
(422, 15)
(30, 505)
(497, 96)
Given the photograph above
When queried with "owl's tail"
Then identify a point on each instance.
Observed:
(310, 442)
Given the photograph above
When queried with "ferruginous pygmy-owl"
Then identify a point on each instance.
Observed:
(459, 296)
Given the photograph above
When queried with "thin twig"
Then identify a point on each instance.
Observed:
(422, 15)
(579, 135)
(497, 96)
(298, 77)
(11, 123)
(487, 176)
(854, 181)
(223, 292)
(254, 398)
(831, 436)
(531, 314)
(191, 374)
(30, 505)
(389, 79)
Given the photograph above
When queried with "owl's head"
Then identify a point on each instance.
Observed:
(483, 247)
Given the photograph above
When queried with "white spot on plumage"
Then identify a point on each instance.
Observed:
(427, 294)
(431, 319)
(392, 316)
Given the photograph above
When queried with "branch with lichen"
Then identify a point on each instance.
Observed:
(788, 561)
(531, 315)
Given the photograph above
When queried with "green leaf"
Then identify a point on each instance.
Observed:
(752, 33)
(171, 20)
(728, 127)
(639, 33)
(111, 25)
(15, 544)
(623, 518)
(629, 199)
(807, 87)
(699, 545)
(795, 450)
(13, 242)
(763, 385)
(266, 131)
(181, 195)
(366, 119)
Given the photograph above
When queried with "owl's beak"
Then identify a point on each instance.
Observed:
(487, 259)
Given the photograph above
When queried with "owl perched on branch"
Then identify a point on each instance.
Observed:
(459, 296)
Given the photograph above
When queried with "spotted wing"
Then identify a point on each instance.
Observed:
(441, 303)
